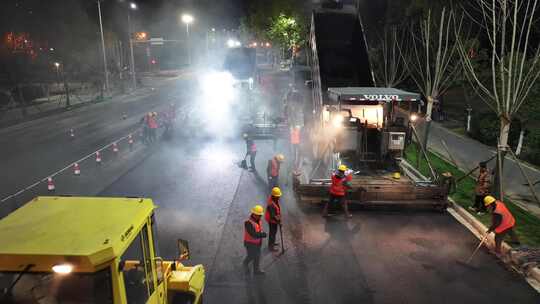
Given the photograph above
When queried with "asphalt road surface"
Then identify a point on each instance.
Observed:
(204, 197)
(375, 257)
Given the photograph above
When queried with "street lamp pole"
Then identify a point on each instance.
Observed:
(103, 48)
(188, 19)
(133, 77)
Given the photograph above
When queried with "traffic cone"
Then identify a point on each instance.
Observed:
(50, 184)
(130, 139)
(115, 148)
(98, 157)
(76, 169)
(72, 134)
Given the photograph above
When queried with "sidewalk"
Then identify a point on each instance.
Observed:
(57, 103)
(467, 153)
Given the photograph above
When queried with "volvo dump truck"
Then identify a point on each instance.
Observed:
(348, 120)
(91, 250)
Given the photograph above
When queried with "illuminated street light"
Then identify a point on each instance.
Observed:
(213, 29)
(230, 43)
(57, 64)
(187, 19)
(413, 117)
(133, 5)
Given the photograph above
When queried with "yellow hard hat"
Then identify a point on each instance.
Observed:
(342, 168)
(257, 210)
(280, 157)
(396, 175)
(488, 200)
(276, 192)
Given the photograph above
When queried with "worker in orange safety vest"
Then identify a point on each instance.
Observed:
(273, 217)
(295, 145)
(272, 170)
(253, 235)
(502, 223)
(251, 151)
(338, 190)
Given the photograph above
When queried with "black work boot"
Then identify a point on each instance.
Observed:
(258, 272)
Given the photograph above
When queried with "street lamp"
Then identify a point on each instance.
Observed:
(132, 6)
(187, 19)
(103, 47)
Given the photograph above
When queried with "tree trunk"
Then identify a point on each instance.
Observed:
(427, 127)
(501, 153)
(520, 142)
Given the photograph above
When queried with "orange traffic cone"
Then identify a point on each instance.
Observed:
(98, 157)
(76, 169)
(50, 184)
(130, 139)
(115, 147)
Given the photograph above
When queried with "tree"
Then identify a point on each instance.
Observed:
(287, 32)
(390, 69)
(514, 62)
(434, 59)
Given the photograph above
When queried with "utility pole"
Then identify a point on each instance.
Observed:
(133, 77)
(103, 48)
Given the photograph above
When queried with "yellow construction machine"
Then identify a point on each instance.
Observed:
(91, 250)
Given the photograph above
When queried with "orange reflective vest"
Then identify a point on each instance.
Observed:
(272, 204)
(295, 136)
(507, 221)
(274, 168)
(258, 228)
(253, 148)
(337, 188)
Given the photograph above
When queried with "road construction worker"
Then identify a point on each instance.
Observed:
(338, 189)
(251, 151)
(253, 235)
(295, 145)
(152, 126)
(481, 189)
(273, 217)
(272, 170)
(502, 222)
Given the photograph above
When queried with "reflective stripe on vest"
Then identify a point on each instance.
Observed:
(337, 187)
(267, 213)
(295, 136)
(275, 168)
(258, 228)
(507, 221)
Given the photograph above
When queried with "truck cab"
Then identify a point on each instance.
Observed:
(91, 250)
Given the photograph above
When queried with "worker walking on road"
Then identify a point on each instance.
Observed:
(152, 126)
(273, 217)
(338, 189)
(253, 235)
(481, 189)
(502, 223)
(272, 170)
(251, 151)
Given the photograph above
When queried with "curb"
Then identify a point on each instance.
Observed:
(508, 253)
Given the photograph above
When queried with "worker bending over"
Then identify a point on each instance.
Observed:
(502, 223)
(272, 170)
(253, 235)
(273, 217)
(338, 189)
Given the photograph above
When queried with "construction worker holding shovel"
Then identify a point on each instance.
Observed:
(253, 235)
(273, 217)
(503, 222)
